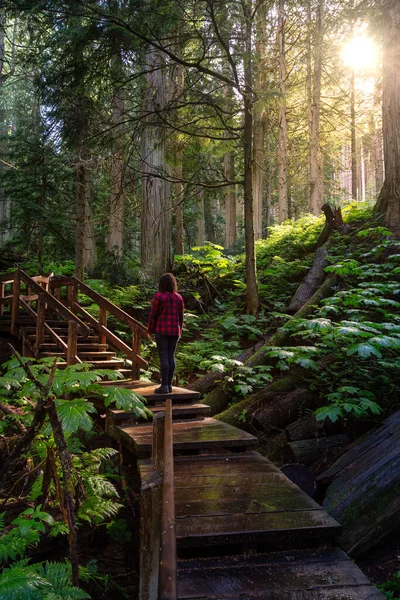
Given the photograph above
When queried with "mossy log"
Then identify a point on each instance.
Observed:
(364, 488)
(307, 452)
(303, 429)
(281, 337)
(276, 390)
(311, 282)
(283, 409)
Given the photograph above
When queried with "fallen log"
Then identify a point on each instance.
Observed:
(307, 452)
(219, 398)
(277, 390)
(303, 429)
(311, 282)
(283, 409)
(364, 488)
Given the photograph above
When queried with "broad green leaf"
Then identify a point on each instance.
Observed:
(125, 399)
(74, 414)
(364, 350)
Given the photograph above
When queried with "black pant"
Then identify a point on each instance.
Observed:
(166, 345)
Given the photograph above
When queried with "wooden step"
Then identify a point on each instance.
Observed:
(113, 364)
(241, 499)
(208, 434)
(146, 389)
(323, 574)
(122, 418)
(49, 347)
(84, 356)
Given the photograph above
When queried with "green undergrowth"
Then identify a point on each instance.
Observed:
(35, 482)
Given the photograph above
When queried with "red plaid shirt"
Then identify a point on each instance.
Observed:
(166, 315)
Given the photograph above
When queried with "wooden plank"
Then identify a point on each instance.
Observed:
(214, 493)
(8, 277)
(246, 528)
(41, 317)
(358, 592)
(326, 573)
(192, 435)
(178, 410)
(146, 389)
(233, 505)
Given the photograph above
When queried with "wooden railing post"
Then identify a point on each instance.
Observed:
(40, 321)
(15, 301)
(157, 457)
(167, 577)
(72, 342)
(136, 350)
(103, 322)
(150, 531)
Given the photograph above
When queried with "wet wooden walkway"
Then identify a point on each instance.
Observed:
(243, 530)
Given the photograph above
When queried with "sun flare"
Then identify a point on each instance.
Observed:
(360, 53)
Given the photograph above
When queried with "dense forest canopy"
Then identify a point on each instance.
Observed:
(143, 129)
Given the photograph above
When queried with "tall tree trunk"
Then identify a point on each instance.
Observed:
(252, 299)
(179, 190)
(200, 221)
(259, 128)
(156, 210)
(354, 164)
(315, 197)
(90, 239)
(230, 201)
(115, 237)
(5, 202)
(79, 130)
(283, 131)
(391, 112)
(229, 174)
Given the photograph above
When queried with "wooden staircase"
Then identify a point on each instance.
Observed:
(242, 529)
(47, 315)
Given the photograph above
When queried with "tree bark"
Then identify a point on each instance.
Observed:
(311, 282)
(307, 452)
(200, 222)
(315, 176)
(260, 121)
(156, 211)
(391, 113)
(283, 129)
(252, 299)
(115, 237)
(302, 429)
(353, 136)
(363, 493)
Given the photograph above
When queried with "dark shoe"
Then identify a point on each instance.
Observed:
(163, 389)
(170, 389)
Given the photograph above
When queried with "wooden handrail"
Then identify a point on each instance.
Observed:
(120, 314)
(113, 339)
(55, 304)
(168, 568)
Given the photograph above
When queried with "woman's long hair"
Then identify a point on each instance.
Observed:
(167, 283)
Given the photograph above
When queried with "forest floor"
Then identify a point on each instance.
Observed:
(345, 353)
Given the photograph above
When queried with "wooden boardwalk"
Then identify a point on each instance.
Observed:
(243, 530)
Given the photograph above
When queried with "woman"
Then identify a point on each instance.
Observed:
(166, 321)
